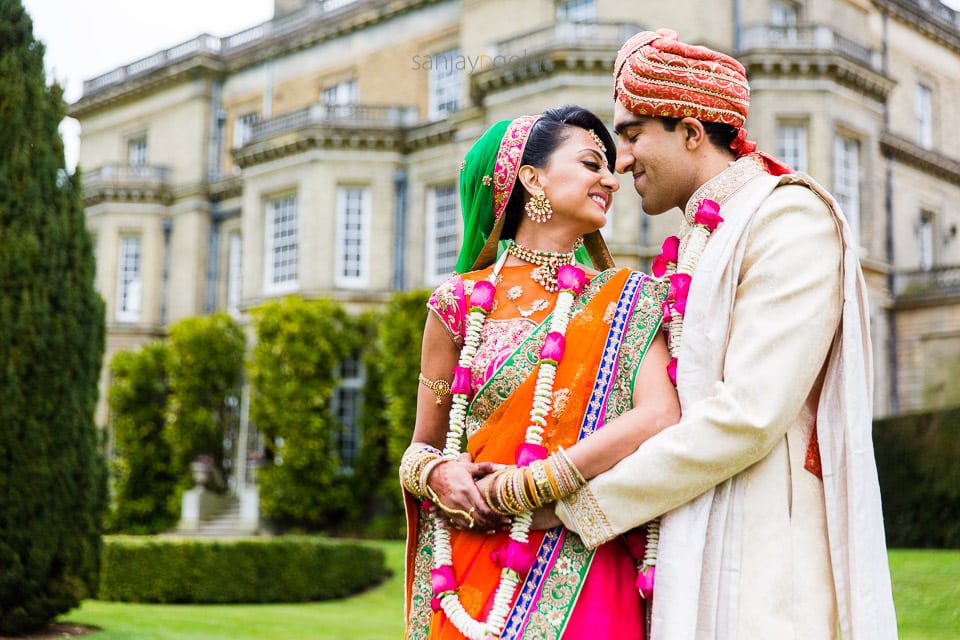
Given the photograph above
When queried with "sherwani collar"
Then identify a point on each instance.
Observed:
(722, 186)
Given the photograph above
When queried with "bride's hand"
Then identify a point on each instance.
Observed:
(455, 483)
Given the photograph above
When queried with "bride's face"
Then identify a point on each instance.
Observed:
(578, 183)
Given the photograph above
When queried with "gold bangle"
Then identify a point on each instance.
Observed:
(440, 387)
(568, 476)
(506, 492)
(490, 494)
(530, 485)
(542, 483)
(577, 476)
(555, 488)
(412, 464)
(425, 471)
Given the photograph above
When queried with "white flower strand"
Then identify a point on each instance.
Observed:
(692, 244)
(458, 410)
(653, 543)
(520, 527)
(691, 254)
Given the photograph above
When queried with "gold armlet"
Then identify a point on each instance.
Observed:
(440, 387)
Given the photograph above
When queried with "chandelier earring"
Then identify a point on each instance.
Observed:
(538, 208)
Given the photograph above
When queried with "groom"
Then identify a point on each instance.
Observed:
(771, 524)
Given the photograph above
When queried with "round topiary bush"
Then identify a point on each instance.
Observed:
(286, 569)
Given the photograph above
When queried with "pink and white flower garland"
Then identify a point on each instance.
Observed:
(517, 556)
(677, 263)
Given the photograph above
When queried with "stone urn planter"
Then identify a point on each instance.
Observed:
(202, 469)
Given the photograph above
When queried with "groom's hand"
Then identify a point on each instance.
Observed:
(455, 483)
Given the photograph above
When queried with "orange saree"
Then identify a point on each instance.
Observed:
(570, 592)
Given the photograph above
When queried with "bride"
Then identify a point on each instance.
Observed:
(539, 344)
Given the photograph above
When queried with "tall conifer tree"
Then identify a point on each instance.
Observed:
(52, 481)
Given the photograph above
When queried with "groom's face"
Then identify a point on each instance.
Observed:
(658, 159)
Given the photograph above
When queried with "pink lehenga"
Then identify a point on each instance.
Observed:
(571, 592)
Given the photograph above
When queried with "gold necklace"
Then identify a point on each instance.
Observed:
(547, 263)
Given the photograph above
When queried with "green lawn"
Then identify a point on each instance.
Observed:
(926, 589)
(374, 615)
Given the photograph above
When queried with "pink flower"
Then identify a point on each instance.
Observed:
(461, 381)
(679, 287)
(680, 305)
(528, 452)
(668, 256)
(553, 347)
(425, 505)
(443, 580)
(571, 278)
(708, 215)
(672, 371)
(518, 556)
(667, 316)
(670, 248)
(659, 266)
(483, 296)
(645, 579)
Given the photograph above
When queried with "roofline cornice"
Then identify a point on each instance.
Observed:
(912, 15)
(232, 59)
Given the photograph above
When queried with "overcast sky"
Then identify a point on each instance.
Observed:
(85, 38)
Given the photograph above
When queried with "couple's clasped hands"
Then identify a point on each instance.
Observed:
(461, 486)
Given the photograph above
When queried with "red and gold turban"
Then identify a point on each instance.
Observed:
(656, 75)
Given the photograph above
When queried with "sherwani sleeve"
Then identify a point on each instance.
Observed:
(786, 311)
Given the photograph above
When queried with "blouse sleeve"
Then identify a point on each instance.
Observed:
(448, 303)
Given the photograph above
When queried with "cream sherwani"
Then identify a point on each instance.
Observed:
(746, 549)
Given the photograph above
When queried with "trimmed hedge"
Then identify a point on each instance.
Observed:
(287, 569)
(918, 460)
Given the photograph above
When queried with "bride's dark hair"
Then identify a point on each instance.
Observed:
(547, 134)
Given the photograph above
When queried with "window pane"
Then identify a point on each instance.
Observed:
(346, 408)
(446, 83)
(243, 128)
(784, 13)
(577, 10)
(442, 235)
(792, 145)
(282, 230)
(924, 109)
(137, 152)
(846, 172)
(925, 237)
(129, 292)
(353, 215)
(234, 273)
(341, 93)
